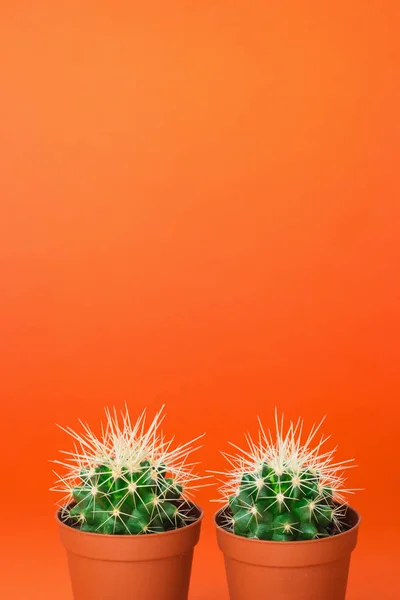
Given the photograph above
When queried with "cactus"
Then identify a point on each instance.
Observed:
(128, 481)
(285, 490)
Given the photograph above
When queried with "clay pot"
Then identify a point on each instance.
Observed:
(309, 570)
(131, 567)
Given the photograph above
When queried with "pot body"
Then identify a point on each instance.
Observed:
(310, 570)
(130, 567)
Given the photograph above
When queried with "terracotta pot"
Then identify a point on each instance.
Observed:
(314, 570)
(131, 567)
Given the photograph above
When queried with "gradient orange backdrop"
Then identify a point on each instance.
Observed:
(199, 207)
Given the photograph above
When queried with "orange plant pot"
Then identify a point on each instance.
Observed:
(310, 570)
(131, 567)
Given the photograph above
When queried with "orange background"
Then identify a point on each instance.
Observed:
(199, 206)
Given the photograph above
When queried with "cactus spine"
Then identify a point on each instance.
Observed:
(285, 490)
(128, 481)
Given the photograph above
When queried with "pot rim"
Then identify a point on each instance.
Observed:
(288, 544)
(132, 536)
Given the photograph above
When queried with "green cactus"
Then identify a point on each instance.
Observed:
(284, 490)
(127, 482)
(144, 501)
(293, 505)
